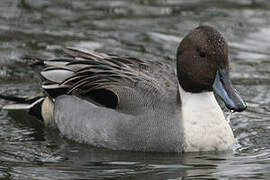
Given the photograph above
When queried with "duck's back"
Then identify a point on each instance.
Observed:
(126, 84)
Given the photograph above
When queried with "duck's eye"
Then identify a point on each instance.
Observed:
(202, 54)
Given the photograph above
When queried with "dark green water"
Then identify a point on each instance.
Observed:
(144, 29)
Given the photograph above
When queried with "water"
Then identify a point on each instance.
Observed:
(144, 29)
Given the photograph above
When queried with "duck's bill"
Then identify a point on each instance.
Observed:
(223, 88)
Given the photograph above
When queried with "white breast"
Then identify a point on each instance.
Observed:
(205, 127)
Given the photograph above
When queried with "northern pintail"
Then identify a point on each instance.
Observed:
(124, 103)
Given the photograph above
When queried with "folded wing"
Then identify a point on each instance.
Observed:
(104, 79)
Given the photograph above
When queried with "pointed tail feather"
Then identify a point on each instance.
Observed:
(21, 99)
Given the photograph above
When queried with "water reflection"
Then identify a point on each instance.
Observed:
(144, 29)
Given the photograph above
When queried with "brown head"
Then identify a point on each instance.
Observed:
(203, 65)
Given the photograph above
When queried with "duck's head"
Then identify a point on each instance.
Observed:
(203, 65)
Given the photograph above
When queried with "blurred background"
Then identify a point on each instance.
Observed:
(144, 29)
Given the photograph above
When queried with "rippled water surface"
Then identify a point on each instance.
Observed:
(144, 29)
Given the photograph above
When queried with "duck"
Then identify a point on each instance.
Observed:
(125, 103)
